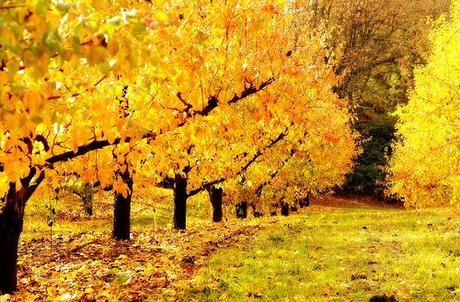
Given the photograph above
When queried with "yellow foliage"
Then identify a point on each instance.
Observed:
(425, 166)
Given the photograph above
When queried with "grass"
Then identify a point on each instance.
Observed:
(341, 255)
(322, 254)
(145, 214)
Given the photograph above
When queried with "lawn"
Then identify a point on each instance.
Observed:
(341, 254)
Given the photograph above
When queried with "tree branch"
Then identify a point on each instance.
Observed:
(259, 153)
(99, 144)
(273, 174)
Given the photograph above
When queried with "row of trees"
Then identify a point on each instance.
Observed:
(193, 96)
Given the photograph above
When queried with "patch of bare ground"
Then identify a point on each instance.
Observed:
(350, 201)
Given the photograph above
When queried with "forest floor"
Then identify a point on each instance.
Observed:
(339, 249)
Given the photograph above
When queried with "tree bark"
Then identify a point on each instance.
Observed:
(180, 202)
(242, 210)
(255, 212)
(122, 210)
(305, 202)
(11, 222)
(87, 198)
(284, 209)
(215, 195)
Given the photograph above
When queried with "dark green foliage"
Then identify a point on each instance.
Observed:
(376, 97)
(369, 175)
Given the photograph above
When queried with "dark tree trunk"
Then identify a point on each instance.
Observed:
(273, 209)
(11, 222)
(284, 209)
(87, 198)
(255, 212)
(180, 202)
(305, 202)
(293, 208)
(242, 210)
(122, 210)
(215, 195)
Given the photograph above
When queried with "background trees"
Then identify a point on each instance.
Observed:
(373, 47)
(424, 167)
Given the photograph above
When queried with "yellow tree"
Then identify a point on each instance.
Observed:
(315, 157)
(59, 65)
(221, 53)
(425, 167)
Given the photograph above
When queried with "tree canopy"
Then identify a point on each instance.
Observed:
(424, 168)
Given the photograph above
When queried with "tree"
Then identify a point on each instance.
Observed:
(424, 167)
(50, 65)
(314, 157)
(84, 191)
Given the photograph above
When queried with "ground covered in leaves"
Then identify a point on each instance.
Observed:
(93, 267)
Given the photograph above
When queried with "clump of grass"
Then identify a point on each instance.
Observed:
(276, 238)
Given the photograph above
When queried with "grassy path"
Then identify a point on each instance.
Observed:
(341, 254)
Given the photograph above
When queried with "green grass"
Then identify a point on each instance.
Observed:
(341, 255)
(70, 217)
(323, 254)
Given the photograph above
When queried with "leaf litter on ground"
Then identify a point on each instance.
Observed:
(94, 267)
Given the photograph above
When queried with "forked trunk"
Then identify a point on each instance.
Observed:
(215, 195)
(11, 222)
(180, 202)
(122, 210)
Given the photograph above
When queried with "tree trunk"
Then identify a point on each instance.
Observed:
(11, 222)
(180, 202)
(122, 210)
(87, 198)
(215, 195)
(305, 202)
(242, 210)
(284, 209)
(255, 212)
